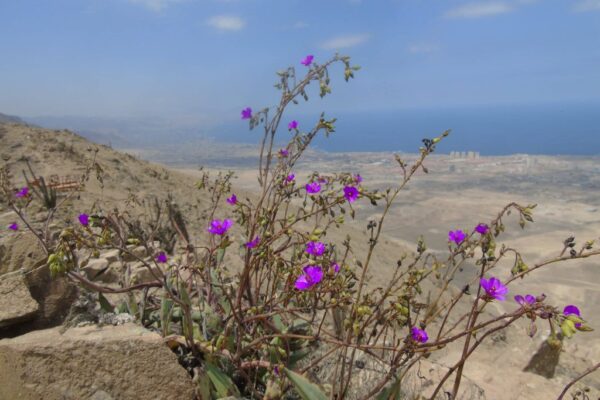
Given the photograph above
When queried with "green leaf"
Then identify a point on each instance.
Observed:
(306, 389)
(298, 355)
(221, 381)
(105, 304)
(203, 385)
(165, 314)
(391, 392)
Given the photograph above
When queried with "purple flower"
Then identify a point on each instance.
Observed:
(494, 288)
(572, 310)
(418, 335)
(311, 276)
(350, 193)
(23, 192)
(456, 236)
(482, 229)
(284, 153)
(290, 178)
(84, 219)
(313, 187)
(220, 228)
(232, 200)
(315, 248)
(253, 243)
(527, 300)
(358, 179)
(307, 60)
(293, 125)
(14, 226)
(247, 113)
(336, 267)
(161, 257)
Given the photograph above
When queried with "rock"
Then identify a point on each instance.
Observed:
(99, 270)
(16, 303)
(141, 273)
(19, 251)
(111, 255)
(115, 319)
(138, 252)
(112, 362)
(55, 296)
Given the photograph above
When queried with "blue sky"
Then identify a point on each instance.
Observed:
(200, 61)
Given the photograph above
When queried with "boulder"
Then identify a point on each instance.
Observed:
(16, 303)
(110, 362)
(55, 296)
(98, 270)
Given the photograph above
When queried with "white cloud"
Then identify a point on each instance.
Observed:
(422, 48)
(226, 22)
(155, 5)
(346, 41)
(587, 5)
(478, 10)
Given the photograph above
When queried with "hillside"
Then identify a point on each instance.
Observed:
(6, 119)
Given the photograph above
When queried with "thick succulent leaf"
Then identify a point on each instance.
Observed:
(306, 389)
(391, 392)
(221, 381)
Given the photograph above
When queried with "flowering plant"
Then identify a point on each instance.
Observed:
(254, 330)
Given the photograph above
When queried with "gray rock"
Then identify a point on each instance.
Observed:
(111, 255)
(16, 303)
(123, 362)
(99, 270)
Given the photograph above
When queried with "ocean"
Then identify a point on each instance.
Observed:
(553, 129)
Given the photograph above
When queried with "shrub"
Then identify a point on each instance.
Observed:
(299, 301)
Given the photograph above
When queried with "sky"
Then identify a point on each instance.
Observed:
(202, 61)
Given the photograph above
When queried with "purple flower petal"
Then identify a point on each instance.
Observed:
(84, 219)
(419, 335)
(293, 125)
(23, 192)
(482, 229)
(218, 227)
(253, 243)
(161, 257)
(358, 179)
(336, 267)
(530, 299)
(315, 248)
(456, 236)
(232, 200)
(14, 226)
(312, 276)
(290, 178)
(307, 60)
(313, 187)
(247, 113)
(571, 310)
(350, 193)
(284, 153)
(494, 289)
